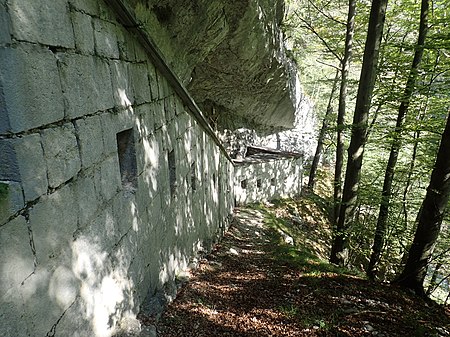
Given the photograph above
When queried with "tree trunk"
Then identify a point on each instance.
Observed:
(429, 220)
(337, 195)
(432, 286)
(380, 231)
(339, 249)
(323, 131)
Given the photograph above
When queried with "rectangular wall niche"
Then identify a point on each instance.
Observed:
(127, 159)
(172, 172)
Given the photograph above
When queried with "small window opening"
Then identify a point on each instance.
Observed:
(193, 178)
(244, 184)
(258, 183)
(172, 172)
(272, 182)
(127, 159)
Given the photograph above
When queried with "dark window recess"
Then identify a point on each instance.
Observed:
(244, 183)
(272, 182)
(172, 172)
(127, 159)
(193, 178)
(258, 183)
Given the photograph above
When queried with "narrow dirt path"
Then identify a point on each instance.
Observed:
(256, 283)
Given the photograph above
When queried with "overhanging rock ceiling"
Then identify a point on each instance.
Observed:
(230, 56)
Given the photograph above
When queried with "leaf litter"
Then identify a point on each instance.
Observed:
(257, 283)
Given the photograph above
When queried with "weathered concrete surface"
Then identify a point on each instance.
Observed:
(230, 55)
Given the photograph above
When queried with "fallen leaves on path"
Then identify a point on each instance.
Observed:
(256, 284)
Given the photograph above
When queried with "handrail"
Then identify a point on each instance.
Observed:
(128, 19)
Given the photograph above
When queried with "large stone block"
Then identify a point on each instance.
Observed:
(86, 6)
(5, 126)
(140, 82)
(127, 47)
(84, 32)
(121, 84)
(9, 168)
(61, 153)
(106, 44)
(158, 113)
(87, 84)
(5, 34)
(31, 87)
(11, 199)
(89, 199)
(145, 122)
(53, 221)
(110, 182)
(32, 165)
(153, 80)
(16, 266)
(91, 140)
(45, 22)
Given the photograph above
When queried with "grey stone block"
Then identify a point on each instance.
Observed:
(153, 80)
(121, 84)
(31, 87)
(91, 140)
(158, 113)
(11, 199)
(72, 323)
(5, 34)
(127, 47)
(87, 85)
(53, 221)
(140, 82)
(9, 168)
(45, 22)
(5, 126)
(86, 6)
(84, 32)
(32, 165)
(19, 264)
(169, 108)
(104, 93)
(110, 182)
(145, 123)
(105, 34)
(89, 199)
(61, 153)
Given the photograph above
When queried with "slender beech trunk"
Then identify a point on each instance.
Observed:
(380, 232)
(429, 219)
(416, 138)
(432, 286)
(337, 195)
(321, 139)
(339, 250)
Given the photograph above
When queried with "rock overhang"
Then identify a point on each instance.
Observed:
(230, 55)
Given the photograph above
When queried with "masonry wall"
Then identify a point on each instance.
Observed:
(267, 179)
(107, 185)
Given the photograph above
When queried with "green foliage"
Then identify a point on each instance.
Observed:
(316, 36)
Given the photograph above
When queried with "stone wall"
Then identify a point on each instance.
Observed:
(266, 179)
(107, 185)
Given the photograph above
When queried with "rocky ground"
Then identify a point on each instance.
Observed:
(267, 278)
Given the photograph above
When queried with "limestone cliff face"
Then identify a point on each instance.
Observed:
(230, 55)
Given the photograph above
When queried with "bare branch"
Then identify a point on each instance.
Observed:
(308, 26)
